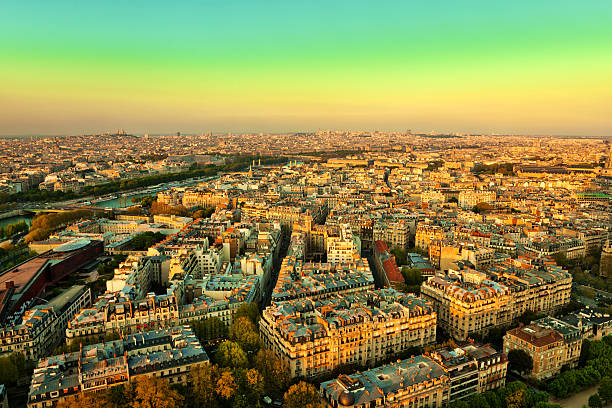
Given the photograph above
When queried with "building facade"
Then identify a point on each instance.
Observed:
(474, 302)
(545, 346)
(425, 233)
(314, 337)
(41, 328)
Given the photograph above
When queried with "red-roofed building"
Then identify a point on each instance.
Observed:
(546, 347)
(386, 269)
(31, 278)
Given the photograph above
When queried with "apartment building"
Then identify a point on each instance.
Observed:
(572, 337)
(172, 221)
(426, 233)
(492, 366)
(386, 269)
(445, 254)
(135, 272)
(396, 233)
(315, 336)
(432, 196)
(186, 300)
(4, 403)
(462, 369)
(550, 245)
(469, 199)
(605, 261)
(297, 279)
(592, 324)
(546, 347)
(41, 327)
(343, 248)
(285, 214)
(206, 199)
(168, 353)
(473, 302)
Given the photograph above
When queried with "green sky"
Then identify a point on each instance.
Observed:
(540, 67)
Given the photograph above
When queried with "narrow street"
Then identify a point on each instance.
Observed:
(267, 295)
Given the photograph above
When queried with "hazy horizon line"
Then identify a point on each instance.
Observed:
(282, 132)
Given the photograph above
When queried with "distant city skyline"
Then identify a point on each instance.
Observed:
(470, 67)
(102, 132)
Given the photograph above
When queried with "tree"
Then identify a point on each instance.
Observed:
(557, 388)
(155, 392)
(244, 332)
(595, 401)
(9, 373)
(492, 399)
(478, 401)
(250, 310)
(459, 404)
(529, 316)
(401, 256)
(145, 240)
(517, 395)
(204, 378)
(230, 354)
(543, 404)
(595, 349)
(250, 385)
(540, 396)
(167, 209)
(520, 361)
(605, 389)
(275, 373)
(203, 213)
(134, 210)
(208, 329)
(12, 229)
(560, 259)
(301, 395)
(412, 276)
(226, 385)
(43, 225)
(242, 401)
(255, 382)
(85, 400)
(120, 395)
(14, 367)
(482, 207)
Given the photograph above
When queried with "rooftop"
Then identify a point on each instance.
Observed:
(362, 388)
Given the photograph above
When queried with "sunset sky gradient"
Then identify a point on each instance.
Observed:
(537, 67)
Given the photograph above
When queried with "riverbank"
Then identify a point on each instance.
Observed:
(12, 214)
(15, 216)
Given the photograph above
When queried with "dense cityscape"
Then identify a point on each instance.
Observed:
(317, 269)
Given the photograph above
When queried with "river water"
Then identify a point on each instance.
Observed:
(126, 201)
(13, 220)
(119, 202)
